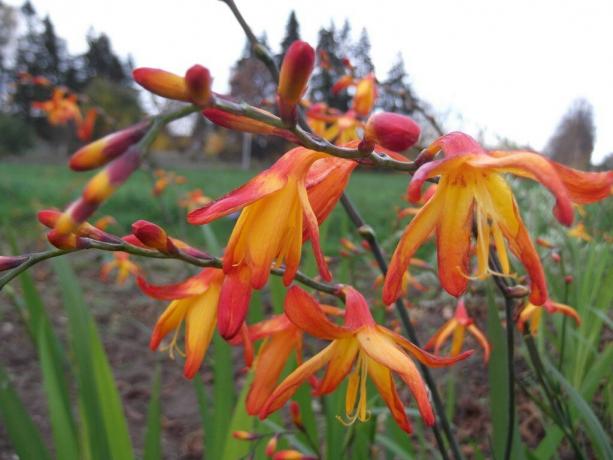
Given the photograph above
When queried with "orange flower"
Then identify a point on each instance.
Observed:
(164, 179)
(282, 338)
(458, 326)
(365, 95)
(61, 108)
(532, 314)
(194, 301)
(471, 190)
(194, 199)
(360, 344)
(270, 229)
(85, 128)
(125, 267)
(579, 231)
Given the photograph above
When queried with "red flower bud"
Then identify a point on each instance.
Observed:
(295, 72)
(198, 82)
(271, 446)
(294, 410)
(162, 83)
(153, 236)
(245, 435)
(239, 123)
(392, 131)
(568, 279)
(8, 262)
(106, 149)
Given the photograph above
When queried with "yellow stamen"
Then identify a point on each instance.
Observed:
(173, 346)
(356, 390)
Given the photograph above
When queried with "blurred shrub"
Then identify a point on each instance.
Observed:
(15, 135)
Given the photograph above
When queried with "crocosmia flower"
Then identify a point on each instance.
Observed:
(458, 325)
(194, 301)
(270, 229)
(358, 349)
(472, 191)
(532, 314)
(124, 266)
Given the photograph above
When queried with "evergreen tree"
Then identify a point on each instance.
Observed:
(292, 33)
(396, 94)
(361, 55)
(101, 61)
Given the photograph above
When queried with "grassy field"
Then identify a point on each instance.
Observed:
(27, 188)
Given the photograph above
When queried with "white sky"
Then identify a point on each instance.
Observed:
(500, 68)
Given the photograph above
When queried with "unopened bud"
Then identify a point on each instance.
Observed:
(271, 446)
(291, 454)
(153, 236)
(162, 83)
(294, 410)
(198, 82)
(295, 72)
(556, 257)
(103, 150)
(392, 131)
(518, 291)
(245, 124)
(545, 243)
(365, 95)
(245, 435)
(568, 279)
(66, 241)
(8, 262)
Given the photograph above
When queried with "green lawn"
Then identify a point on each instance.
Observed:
(27, 188)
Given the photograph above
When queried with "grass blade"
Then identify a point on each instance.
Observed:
(153, 435)
(25, 437)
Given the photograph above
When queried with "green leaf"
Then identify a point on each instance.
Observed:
(594, 429)
(105, 424)
(241, 421)
(391, 445)
(223, 397)
(23, 434)
(153, 431)
(65, 435)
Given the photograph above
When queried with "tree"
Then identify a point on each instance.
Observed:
(574, 138)
(361, 55)
(101, 61)
(292, 33)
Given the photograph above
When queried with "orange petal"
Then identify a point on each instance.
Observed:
(288, 387)
(382, 378)
(413, 379)
(345, 352)
(306, 313)
(190, 287)
(169, 321)
(199, 327)
(269, 364)
(436, 341)
(453, 237)
(269, 326)
(421, 355)
(482, 340)
(311, 228)
(233, 302)
(258, 187)
(538, 167)
(566, 310)
(414, 235)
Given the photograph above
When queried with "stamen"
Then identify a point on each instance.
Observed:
(356, 390)
(172, 346)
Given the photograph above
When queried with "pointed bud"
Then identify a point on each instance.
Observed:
(8, 262)
(555, 256)
(271, 446)
(294, 410)
(67, 241)
(239, 123)
(153, 236)
(291, 454)
(365, 95)
(198, 82)
(245, 435)
(295, 72)
(162, 83)
(103, 184)
(108, 148)
(545, 243)
(568, 279)
(391, 131)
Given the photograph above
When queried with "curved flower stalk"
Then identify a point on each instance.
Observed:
(532, 314)
(457, 326)
(270, 229)
(362, 345)
(472, 189)
(195, 301)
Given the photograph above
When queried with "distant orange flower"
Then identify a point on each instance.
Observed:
(61, 108)
(457, 326)
(194, 199)
(371, 350)
(125, 267)
(532, 314)
(580, 232)
(471, 190)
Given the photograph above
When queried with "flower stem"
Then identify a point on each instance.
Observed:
(369, 235)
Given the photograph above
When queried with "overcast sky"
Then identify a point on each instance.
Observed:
(507, 68)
